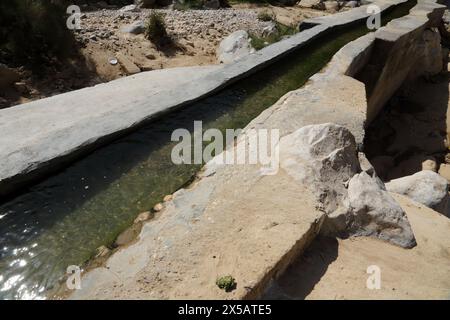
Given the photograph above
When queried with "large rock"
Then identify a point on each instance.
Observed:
(426, 187)
(136, 27)
(373, 212)
(322, 157)
(233, 47)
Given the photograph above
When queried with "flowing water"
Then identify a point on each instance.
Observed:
(62, 220)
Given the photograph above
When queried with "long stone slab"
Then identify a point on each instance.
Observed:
(37, 137)
(347, 17)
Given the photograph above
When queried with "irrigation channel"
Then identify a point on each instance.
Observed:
(64, 218)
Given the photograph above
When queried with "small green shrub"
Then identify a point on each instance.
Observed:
(257, 42)
(226, 283)
(261, 42)
(265, 16)
(155, 29)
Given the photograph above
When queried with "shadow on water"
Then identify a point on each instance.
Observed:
(62, 220)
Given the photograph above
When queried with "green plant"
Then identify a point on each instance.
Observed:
(265, 16)
(226, 283)
(282, 31)
(155, 29)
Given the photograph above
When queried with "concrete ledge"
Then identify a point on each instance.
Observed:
(38, 137)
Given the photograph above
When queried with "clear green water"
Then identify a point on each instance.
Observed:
(61, 221)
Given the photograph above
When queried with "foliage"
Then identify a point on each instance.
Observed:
(265, 16)
(155, 29)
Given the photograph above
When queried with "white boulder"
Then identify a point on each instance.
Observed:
(426, 187)
(233, 47)
(373, 212)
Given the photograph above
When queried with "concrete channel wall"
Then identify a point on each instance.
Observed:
(39, 137)
(234, 221)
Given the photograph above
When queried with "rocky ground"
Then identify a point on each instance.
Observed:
(108, 50)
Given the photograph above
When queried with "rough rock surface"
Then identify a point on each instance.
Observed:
(234, 47)
(322, 157)
(425, 187)
(375, 213)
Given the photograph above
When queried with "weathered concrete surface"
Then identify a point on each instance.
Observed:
(36, 136)
(325, 160)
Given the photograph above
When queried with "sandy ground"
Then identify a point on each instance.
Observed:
(337, 269)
